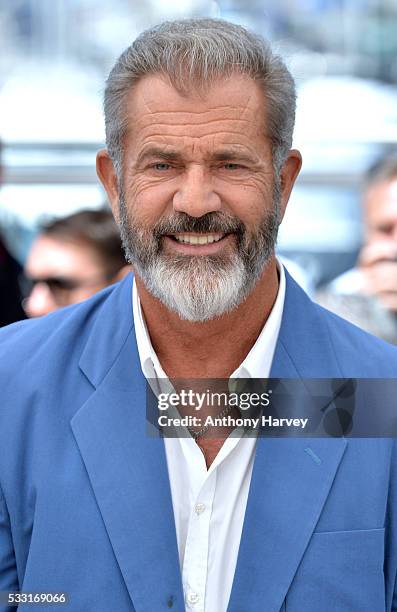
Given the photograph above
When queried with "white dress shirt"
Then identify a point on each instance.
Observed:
(209, 505)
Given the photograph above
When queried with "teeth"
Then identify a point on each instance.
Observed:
(187, 239)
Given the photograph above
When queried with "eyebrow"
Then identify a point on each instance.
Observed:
(172, 155)
(158, 153)
(232, 155)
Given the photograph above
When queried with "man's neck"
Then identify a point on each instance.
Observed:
(210, 349)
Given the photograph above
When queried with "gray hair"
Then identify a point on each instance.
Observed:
(382, 170)
(195, 53)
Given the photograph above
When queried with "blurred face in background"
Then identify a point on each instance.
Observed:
(378, 257)
(380, 205)
(60, 273)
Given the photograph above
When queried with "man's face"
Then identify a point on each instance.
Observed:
(380, 205)
(199, 205)
(61, 273)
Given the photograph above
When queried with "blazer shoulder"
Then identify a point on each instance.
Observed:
(63, 331)
(353, 345)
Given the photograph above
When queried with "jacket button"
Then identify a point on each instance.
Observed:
(192, 597)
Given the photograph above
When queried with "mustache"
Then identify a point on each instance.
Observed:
(207, 224)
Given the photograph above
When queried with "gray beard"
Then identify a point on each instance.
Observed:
(199, 288)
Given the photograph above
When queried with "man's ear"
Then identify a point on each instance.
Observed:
(108, 177)
(288, 176)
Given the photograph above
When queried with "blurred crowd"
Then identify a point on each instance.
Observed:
(73, 257)
(70, 259)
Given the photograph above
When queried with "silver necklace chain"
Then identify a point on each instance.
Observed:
(203, 430)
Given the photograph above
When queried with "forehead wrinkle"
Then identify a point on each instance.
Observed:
(137, 116)
(236, 122)
(203, 122)
(164, 133)
(153, 91)
(198, 136)
(217, 140)
(150, 98)
(252, 101)
(214, 109)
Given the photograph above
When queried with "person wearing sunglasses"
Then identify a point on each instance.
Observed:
(71, 259)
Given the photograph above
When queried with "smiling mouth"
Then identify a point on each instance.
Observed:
(197, 239)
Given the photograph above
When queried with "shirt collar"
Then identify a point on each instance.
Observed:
(258, 362)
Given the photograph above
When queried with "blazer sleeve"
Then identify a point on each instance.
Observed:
(8, 568)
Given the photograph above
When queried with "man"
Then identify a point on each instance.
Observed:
(198, 168)
(367, 294)
(71, 259)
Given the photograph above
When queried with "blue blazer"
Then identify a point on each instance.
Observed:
(85, 503)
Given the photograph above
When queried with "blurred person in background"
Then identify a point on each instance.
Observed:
(10, 294)
(367, 294)
(71, 259)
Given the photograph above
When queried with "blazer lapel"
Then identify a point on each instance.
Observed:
(127, 469)
(291, 478)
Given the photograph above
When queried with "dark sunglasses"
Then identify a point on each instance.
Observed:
(58, 285)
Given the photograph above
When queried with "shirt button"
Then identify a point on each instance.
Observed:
(192, 597)
(199, 508)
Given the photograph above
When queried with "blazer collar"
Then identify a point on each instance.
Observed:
(110, 330)
(304, 348)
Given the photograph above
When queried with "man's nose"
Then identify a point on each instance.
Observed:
(195, 195)
(40, 301)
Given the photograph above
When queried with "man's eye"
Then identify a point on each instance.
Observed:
(232, 166)
(161, 167)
